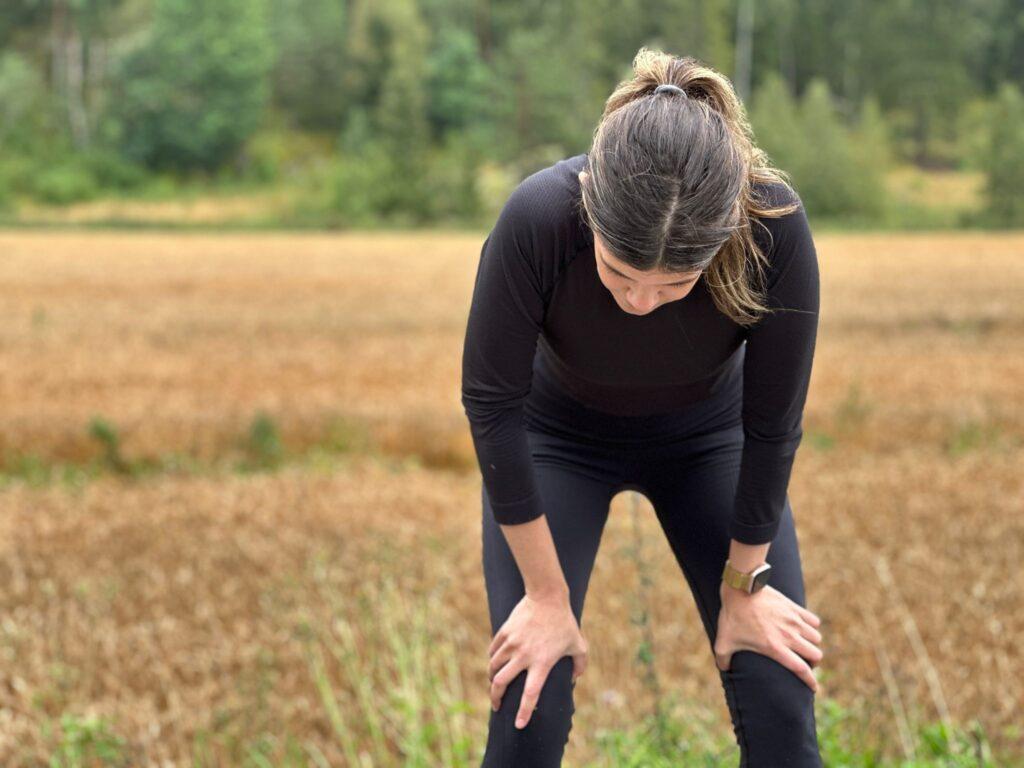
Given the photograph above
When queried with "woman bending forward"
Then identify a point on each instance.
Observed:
(644, 317)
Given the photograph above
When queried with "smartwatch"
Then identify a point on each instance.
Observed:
(746, 582)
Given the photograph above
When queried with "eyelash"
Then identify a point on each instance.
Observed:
(669, 285)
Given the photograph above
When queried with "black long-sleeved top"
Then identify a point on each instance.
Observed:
(537, 291)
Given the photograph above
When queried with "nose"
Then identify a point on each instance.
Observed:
(643, 302)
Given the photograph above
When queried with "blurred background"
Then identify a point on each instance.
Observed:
(239, 505)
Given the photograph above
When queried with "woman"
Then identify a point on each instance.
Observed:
(644, 317)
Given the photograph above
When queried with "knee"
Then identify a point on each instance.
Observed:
(555, 704)
(772, 710)
(542, 742)
(778, 686)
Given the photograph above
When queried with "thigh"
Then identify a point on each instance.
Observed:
(576, 486)
(772, 709)
(575, 489)
(693, 489)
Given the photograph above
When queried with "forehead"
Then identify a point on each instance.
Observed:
(649, 277)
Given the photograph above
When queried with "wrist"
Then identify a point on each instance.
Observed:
(550, 593)
(729, 592)
(746, 583)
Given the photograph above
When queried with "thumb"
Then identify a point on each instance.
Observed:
(579, 665)
(579, 662)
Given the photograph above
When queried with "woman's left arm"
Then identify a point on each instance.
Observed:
(776, 377)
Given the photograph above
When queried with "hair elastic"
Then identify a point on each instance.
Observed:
(669, 88)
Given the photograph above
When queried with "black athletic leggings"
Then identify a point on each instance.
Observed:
(687, 464)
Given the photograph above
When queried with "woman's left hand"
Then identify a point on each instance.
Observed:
(769, 623)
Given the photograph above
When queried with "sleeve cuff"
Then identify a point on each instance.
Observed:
(745, 533)
(517, 512)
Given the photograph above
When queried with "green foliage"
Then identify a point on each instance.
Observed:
(872, 159)
(277, 154)
(264, 449)
(973, 435)
(404, 703)
(401, 116)
(112, 96)
(1004, 159)
(86, 741)
(974, 123)
(357, 187)
(458, 83)
(23, 120)
(837, 171)
(452, 183)
(667, 739)
(66, 182)
(108, 170)
(534, 110)
(690, 741)
(363, 189)
(196, 88)
(309, 77)
(106, 434)
(777, 123)
(23, 105)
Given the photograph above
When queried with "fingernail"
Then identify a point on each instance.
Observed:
(520, 723)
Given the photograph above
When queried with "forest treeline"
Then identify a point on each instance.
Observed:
(386, 111)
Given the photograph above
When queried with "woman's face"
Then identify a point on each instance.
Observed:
(636, 292)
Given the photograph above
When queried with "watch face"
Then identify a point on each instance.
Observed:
(761, 578)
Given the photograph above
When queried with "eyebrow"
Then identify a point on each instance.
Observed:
(620, 274)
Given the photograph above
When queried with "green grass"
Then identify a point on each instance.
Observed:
(384, 661)
(260, 448)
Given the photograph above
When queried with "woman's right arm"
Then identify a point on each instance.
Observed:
(518, 264)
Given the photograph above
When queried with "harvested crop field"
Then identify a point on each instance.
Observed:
(239, 510)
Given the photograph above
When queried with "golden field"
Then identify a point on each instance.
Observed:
(208, 614)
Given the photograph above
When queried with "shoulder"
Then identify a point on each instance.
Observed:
(547, 200)
(540, 221)
(776, 194)
(785, 240)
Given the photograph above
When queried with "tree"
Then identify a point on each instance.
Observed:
(1004, 163)
(195, 89)
(309, 70)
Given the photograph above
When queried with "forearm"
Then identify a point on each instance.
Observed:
(745, 557)
(535, 554)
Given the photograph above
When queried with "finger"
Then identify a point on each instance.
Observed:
(501, 680)
(531, 692)
(499, 659)
(808, 650)
(497, 641)
(795, 664)
(808, 631)
(809, 616)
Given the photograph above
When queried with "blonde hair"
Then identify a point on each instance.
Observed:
(670, 180)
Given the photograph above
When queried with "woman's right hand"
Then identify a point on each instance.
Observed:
(535, 636)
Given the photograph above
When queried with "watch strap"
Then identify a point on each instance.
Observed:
(739, 579)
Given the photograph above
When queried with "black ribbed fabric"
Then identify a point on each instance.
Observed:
(537, 291)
